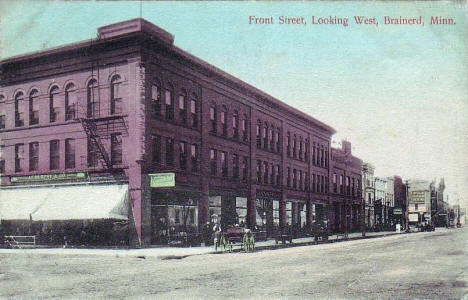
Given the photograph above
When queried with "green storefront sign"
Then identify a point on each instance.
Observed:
(49, 177)
(162, 180)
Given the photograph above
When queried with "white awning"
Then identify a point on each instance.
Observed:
(19, 203)
(78, 202)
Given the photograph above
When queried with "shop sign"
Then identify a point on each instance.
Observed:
(162, 180)
(413, 217)
(49, 177)
(418, 197)
(397, 211)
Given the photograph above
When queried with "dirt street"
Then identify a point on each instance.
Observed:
(421, 265)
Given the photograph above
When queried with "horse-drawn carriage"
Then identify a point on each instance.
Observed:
(234, 236)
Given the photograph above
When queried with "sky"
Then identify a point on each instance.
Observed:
(398, 93)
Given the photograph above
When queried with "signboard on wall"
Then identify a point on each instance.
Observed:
(397, 211)
(161, 180)
(49, 177)
(418, 197)
(413, 217)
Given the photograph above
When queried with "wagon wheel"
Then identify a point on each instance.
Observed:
(223, 243)
(251, 243)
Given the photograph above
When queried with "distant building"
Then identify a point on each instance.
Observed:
(380, 203)
(419, 202)
(389, 202)
(368, 189)
(400, 213)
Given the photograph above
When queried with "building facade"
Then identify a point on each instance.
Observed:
(368, 189)
(400, 213)
(120, 112)
(380, 202)
(346, 193)
(419, 201)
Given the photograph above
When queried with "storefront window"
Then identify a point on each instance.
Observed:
(215, 209)
(276, 212)
(241, 210)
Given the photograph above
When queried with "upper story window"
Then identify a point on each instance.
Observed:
(265, 172)
(259, 171)
(156, 149)
(19, 109)
(69, 153)
(341, 185)
(168, 95)
(278, 175)
(294, 149)
(288, 177)
(322, 156)
(314, 154)
(235, 166)
(301, 148)
(194, 111)
(213, 162)
(169, 152)
(224, 121)
(115, 96)
(92, 99)
(183, 155)
(288, 144)
(272, 174)
(54, 105)
(156, 98)
(277, 141)
(54, 148)
(19, 157)
(213, 119)
(245, 136)
(116, 148)
(194, 154)
(92, 152)
(235, 125)
(306, 150)
(70, 102)
(257, 132)
(33, 108)
(245, 169)
(335, 186)
(33, 156)
(224, 164)
(270, 138)
(183, 107)
(2, 112)
(264, 136)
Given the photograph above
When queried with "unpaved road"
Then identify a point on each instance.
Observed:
(413, 266)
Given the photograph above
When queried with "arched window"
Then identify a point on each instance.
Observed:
(224, 120)
(235, 125)
(277, 140)
(265, 136)
(92, 99)
(19, 109)
(2, 113)
(53, 104)
(33, 108)
(70, 102)
(257, 133)
(288, 144)
(169, 94)
(156, 97)
(245, 135)
(183, 107)
(194, 110)
(115, 97)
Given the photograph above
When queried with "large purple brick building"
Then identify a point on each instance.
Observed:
(84, 128)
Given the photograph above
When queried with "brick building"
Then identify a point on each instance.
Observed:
(84, 127)
(346, 211)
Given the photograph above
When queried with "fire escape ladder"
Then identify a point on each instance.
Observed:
(90, 129)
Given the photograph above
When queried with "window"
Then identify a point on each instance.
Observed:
(194, 111)
(301, 148)
(2, 112)
(224, 164)
(335, 186)
(183, 107)
(156, 98)
(416, 206)
(326, 157)
(19, 157)
(19, 109)
(33, 108)
(54, 148)
(278, 176)
(69, 153)
(213, 163)
(322, 157)
(288, 145)
(301, 182)
(92, 99)
(194, 157)
(235, 125)
(33, 156)
(183, 155)
(294, 147)
(213, 121)
(53, 104)
(156, 149)
(348, 191)
(168, 96)
(326, 184)
(314, 154)
(116, 148)
(92, 154)
(259, 171)
(245, 136)
(319, 183)
(277, 141)
(272, 174)
(306, 151)
(115, 97)
(306, 181)
(264, 136)
(265, 172)
(169, 152)
(295, 178)
(245, 164)
(323, 184)
(353, 191)
(341, 185)
(270, 138)
(224, 121)
(314, 183)
(288, 178)
(257, 133)
(235, 166)
(70, 102)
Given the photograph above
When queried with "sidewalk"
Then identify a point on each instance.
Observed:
(178, 253)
